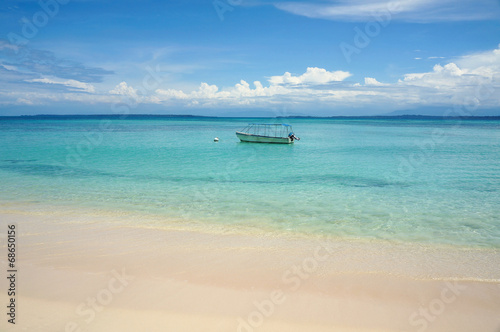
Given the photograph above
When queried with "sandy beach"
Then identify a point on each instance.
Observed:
(93, 272)
(250, 166)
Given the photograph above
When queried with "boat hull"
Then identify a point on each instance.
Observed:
(244, 137)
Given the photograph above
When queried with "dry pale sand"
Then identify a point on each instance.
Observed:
(84, 272)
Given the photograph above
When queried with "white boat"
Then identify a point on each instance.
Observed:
(279, 133)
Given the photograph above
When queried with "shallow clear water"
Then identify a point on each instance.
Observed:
(433, 181)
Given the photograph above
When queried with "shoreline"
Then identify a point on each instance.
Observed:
(189, 279)
(128, 218)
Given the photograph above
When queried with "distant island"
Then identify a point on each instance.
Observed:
(159, 116)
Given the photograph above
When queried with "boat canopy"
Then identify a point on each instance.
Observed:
(268, 130)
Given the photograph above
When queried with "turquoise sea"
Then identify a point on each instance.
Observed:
(418, 180)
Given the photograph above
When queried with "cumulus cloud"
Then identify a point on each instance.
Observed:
(171, 94)
(448, 84)
(313, 75)
(123, 89)
(473, 77)
(440, 76)
(240, 93)
(286, 88)
(483, 63)
(463, 72)
(205, 91)
(373, 81)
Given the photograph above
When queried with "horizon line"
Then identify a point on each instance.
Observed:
(124, 117)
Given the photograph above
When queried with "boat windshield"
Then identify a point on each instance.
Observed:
(269, 130)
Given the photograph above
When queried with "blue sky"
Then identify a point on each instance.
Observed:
(249, 57)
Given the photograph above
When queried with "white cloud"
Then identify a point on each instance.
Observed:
(123, 89)
(484, 63)
(408, 10)
(374, 82)
(475, 77)
(470, 78)
(6, 45)
(240, 93)
(313, 75)
(24, 101)
(439, 77)
(205, 91)
(49, 98)
(286, 88)
(8, 67)
(72, 84)
(171, 94)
